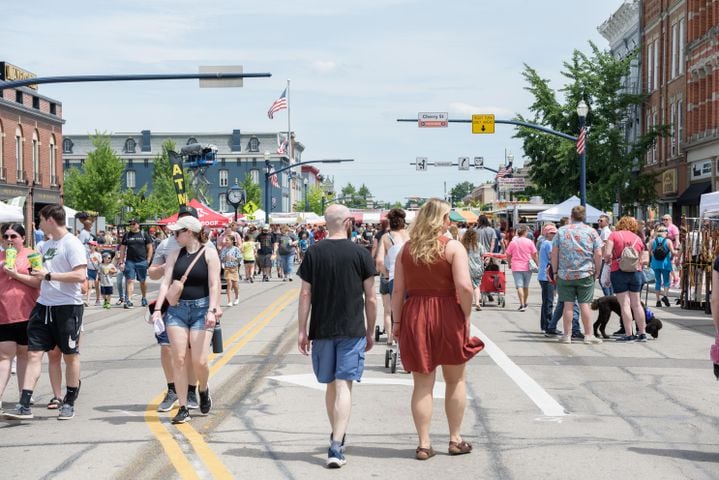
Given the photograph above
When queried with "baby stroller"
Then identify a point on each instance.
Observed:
(493, 279)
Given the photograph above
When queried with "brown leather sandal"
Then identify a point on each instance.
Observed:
(424, 453)
(459, 448)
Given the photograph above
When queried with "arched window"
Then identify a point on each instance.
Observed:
(53, 161)
(20, 175)
(254, 145)
(67, 145)
(191, 140)
(130, 145)
(36, 157)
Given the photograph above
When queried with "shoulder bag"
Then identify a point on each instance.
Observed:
(175, 290)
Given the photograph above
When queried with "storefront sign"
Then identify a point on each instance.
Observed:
(669, 181)
(46, 196)
(9, 191)
(9, 72)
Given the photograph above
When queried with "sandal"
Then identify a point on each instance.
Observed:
(478, 308)
(424, 453)
(459, 448)
(54, 403)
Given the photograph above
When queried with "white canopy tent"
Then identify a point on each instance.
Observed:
(564, 209)
(11, 214)
(709, 205)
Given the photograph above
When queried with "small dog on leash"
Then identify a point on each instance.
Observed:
(607, 305)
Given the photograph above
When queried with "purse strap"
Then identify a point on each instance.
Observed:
(192, 264)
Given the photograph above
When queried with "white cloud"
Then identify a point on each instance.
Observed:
(465, 108)
(324, 66)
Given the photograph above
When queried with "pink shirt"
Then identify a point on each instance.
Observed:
(521, 249)
(16, 299)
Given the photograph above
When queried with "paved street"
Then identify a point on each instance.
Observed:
(538, 409)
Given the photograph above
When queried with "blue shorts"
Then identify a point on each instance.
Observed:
(91, 274)
(626, 281)
(136, 270)
(522, 279)
(188, 314)
(338, 358)
(286, 262)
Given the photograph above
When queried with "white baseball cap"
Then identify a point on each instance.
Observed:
(187, 223)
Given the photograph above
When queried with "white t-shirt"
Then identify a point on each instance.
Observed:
(62, 256)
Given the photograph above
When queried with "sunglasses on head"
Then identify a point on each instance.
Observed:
(11, 236)
(178, 232)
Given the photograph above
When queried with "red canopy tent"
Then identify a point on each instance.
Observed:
(207, 216)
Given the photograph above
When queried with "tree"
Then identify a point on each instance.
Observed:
(461, 190)
(252, 190)
(612, 162)
(97, 186)
(164, 197)
(314, 199)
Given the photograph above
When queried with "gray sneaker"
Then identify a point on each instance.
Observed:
(192, 403)
(169, 402)
(67, 412)
(18, 413)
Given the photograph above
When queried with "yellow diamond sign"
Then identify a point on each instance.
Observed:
(249, 207)
(483, 123)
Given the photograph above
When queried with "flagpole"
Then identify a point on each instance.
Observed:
(289, 140)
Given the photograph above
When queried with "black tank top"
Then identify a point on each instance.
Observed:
(197, 284)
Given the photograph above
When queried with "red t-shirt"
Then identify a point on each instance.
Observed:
(621, 239)
(16, 299)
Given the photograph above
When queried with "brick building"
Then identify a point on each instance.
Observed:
(30, 136)
(702, 94)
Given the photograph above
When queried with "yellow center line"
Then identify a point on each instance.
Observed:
(208, 457)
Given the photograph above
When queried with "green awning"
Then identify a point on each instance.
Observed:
(456, 217)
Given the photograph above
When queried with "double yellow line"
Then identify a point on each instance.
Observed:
(172, 448)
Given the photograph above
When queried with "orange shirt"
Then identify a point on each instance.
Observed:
(16, 299)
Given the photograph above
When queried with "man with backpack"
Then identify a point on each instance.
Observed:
(662, 252)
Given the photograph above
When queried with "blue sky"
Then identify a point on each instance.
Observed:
(354, 67)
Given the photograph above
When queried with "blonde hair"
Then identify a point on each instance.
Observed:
(627, 223)
(425, 246)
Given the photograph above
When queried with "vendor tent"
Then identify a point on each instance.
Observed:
(564, 209)
(709, 205)
(10, 214)
(455, 217)
(469, 216)
(207, 216)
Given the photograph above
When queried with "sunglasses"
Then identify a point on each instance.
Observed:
(10, 237)
(178, 232)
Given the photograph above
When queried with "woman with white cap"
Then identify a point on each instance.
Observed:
(193, 319)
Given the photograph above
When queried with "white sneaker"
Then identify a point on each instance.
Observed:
(236, 302)
(592, 340)
(565, 339)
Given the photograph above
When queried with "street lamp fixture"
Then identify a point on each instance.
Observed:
(582, 110)
(307, 196)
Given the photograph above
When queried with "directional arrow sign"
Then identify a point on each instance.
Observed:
(463, 163)
(483, 123)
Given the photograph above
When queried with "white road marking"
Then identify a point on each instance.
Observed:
(549, 406)
(308, 380)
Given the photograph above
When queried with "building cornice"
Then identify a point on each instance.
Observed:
(621, 22)
(23, 110)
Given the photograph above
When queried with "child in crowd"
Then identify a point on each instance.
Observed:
(106, 271)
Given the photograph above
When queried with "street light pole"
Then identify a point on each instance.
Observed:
(268, 168)
(582, 110)
(307, 196)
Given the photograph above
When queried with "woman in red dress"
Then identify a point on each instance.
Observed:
(431, 304)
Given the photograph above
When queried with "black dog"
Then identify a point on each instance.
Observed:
(607, 305)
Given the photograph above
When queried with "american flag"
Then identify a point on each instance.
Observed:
(504, 171)
(273, 178)
(282, 149)
(279, 104)
(580, 140)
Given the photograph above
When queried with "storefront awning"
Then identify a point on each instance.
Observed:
(693, 193)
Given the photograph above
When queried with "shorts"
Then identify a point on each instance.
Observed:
(248, 262)
(57, 326)
(231, 274)
(163, 338)
(627, 281)
(188, 314)
(338, 358)
(14, 332)
(106, 290)
(384, 286)
(662, 278)
(521, 279)
(136, 270)
(264, 260)
(581, 290)
(91, 274)
(286, 262)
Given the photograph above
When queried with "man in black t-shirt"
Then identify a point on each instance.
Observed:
(268, 247)
(135, 249)
(338, 284)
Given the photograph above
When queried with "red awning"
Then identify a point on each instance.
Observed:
(207, 216)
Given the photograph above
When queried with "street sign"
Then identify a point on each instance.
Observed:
(250, 207)
(463, 163)
(483, 123)
(443, 164)
(479, 162)
(421, 164)
(432, 119)
(221, 83)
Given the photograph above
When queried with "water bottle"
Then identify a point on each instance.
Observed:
(217, 339)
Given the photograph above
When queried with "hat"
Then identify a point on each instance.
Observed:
(134, 220)
(549, 229)
(662, 229)
(152, 230)
(187, 210)
(92, 242)
(107, 254)
(187, 223)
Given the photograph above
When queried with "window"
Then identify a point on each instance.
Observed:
(681, 46)
(680, 125)
(650, 86)
(18, 97)
(672, 139)
(224, 178)
(238, 161)
(656, 64)
(53, 160)
(254, 145)
(18, 154)
(130, 145)
(53, 108)
(35, 157)
(191, 140)
(255, 176)
(147, 162)
(67, 145)
(130, 177)
(654, 144)
(36, 103)
(675, 47)
(222, 202)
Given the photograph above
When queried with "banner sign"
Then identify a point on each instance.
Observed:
(178, 177)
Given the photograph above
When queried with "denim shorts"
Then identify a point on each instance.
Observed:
(91, 274)
(286, 261)
(522, 279)
(627, 281)
(188, 314)
(338, 358)
(136, 270)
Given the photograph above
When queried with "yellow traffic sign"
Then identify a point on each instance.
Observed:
(250, 207)
(483, 123)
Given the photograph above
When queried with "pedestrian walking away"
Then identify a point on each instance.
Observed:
(135, 251)
(338, 287)
(56, 319)
(432, 304)
(521, 252)
(546, 279)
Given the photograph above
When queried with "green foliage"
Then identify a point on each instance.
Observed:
(96, 186)
(139, 205)
(314, 198)
(612, 163)
(252, 190)
(163, 198)
(461, 190)
(355, 198)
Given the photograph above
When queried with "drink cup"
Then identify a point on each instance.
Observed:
(10, 256)
(35, 260)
